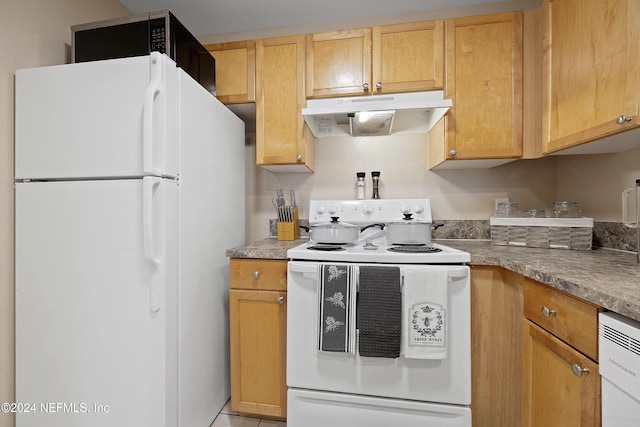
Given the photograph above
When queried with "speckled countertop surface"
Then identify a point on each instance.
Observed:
(608, 278)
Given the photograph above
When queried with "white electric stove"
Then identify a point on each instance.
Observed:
(372, 245)
(348, 387)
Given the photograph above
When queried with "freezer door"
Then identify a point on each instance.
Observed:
(113, 118)
(95, 300)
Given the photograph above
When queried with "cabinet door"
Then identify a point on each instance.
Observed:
(339, 63)
(484, 81)
(591, 74)
(408, 57)
(280, 130)
(235, 71)
(553, 394)
(258, 352)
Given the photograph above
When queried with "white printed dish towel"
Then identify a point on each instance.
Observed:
(424, 302)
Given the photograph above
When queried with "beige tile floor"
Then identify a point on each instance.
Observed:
(229, 418)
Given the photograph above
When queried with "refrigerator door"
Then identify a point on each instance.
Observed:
(96, 303)
(113, 118)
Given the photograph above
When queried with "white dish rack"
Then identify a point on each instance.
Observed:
(554, 233)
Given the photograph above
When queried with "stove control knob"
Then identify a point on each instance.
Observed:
(320, 210)
(405, 209)
(367, 210)
(418, 209)
(333, 210)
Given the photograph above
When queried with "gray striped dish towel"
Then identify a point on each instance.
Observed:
(379, 311)
(337, 299)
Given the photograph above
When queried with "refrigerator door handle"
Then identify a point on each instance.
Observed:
(153, 89)
(150, 185)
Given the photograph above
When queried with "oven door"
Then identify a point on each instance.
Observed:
(446, 381)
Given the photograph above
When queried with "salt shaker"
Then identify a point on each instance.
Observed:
(360, 185)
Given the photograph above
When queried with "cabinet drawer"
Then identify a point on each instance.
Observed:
(264, 274)
(572, 320)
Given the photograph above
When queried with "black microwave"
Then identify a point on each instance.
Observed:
(141, 34)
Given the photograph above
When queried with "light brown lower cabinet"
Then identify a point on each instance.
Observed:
(496, 343)
(258, 333)
(560, 383)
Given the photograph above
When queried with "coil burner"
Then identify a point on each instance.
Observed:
(326, 248)
(414, 249)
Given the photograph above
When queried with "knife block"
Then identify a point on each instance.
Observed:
(289, 230)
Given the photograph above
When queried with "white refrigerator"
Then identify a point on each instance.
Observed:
(129, 188)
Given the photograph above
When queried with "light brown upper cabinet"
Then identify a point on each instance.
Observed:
(591, 72)
(339, 63)
(384, 59)
(235, 71)
(408, 57)
(484, 80)
(283, 142)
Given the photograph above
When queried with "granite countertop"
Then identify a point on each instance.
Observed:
(270, 248)
(608, 278)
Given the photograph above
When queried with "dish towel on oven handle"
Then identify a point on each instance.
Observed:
(379, 311)
(424, 313)
(337, 300)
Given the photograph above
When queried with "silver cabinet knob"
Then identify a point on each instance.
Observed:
(622, 119)
(281, 300)
(546, 312)
(452, 153)
(365, 86)
(256, 274)
(299, 157)
(579, 370)
(379, 86)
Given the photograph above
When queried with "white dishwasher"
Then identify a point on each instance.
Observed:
(620, 369)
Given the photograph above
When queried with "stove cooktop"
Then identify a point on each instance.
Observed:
(358, 253)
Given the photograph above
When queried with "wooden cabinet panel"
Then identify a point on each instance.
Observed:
(591, 70)
(484, 80)
(235, 71)
(570, 319)
(383, 59)
(338, 63)
(552, 393)
(258, 352)
(280, 131)
(408, 57)
(258, 274)
(496, 346)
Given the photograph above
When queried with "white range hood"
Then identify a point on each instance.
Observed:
(412, 112)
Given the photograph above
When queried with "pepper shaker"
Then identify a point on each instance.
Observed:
(375, 176)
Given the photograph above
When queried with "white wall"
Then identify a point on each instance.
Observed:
(594, 181)
(32, 33)
(402, 161)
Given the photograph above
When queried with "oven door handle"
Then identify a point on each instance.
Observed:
(458, 273)
(308, 269)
